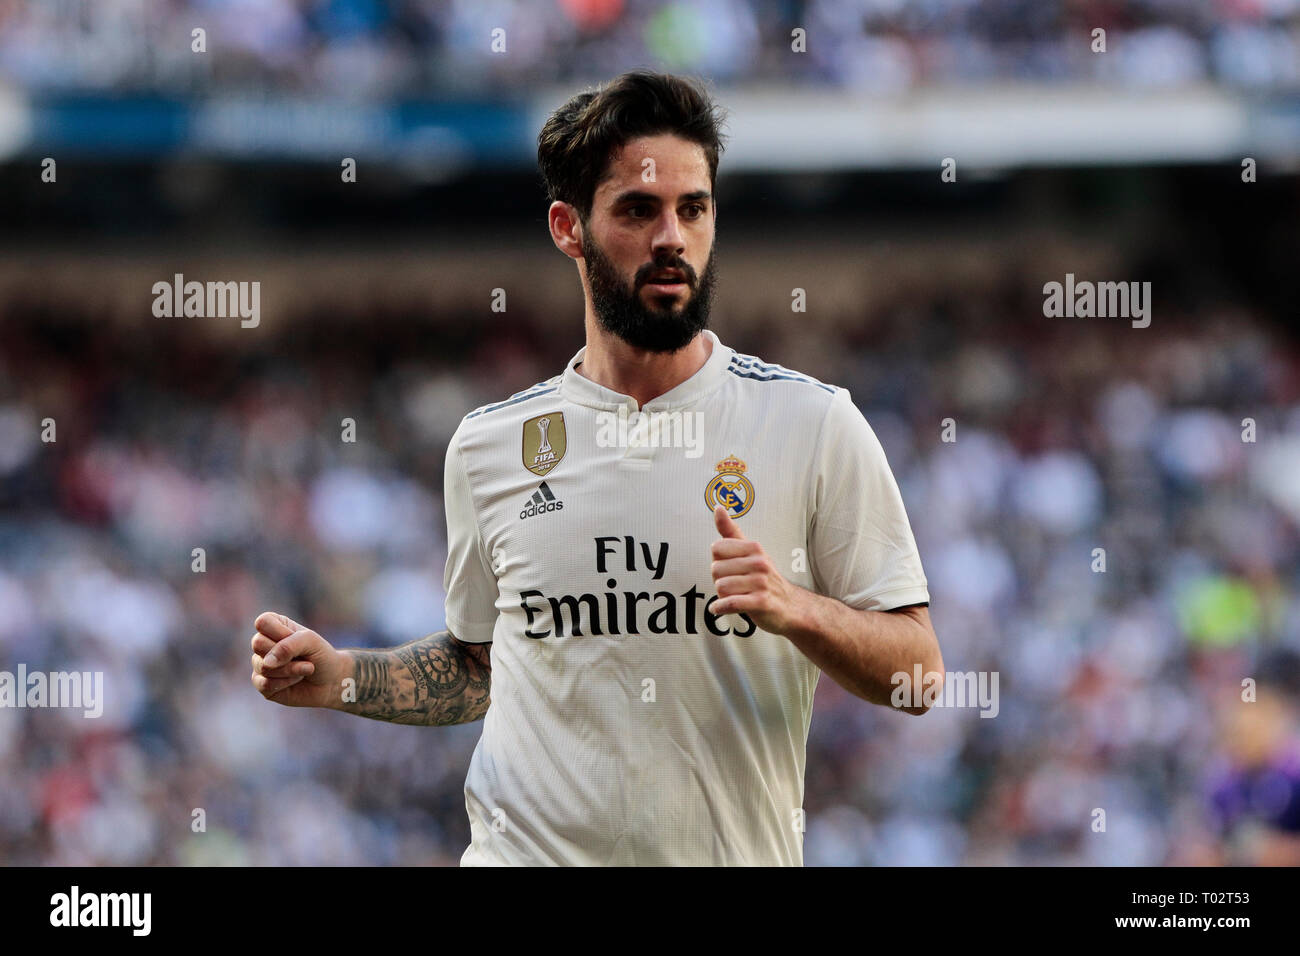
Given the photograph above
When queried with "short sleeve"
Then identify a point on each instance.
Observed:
(469, 581)
(861, 548)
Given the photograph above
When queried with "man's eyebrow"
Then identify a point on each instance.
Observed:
(636, 195)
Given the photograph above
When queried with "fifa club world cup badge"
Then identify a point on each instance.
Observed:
(544, 442)
(730, 488)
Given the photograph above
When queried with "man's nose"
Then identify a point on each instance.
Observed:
(668, 235)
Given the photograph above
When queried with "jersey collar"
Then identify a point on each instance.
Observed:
(582, 390)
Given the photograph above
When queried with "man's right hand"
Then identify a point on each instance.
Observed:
(295, 666)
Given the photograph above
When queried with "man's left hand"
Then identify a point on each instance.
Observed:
(747, 580)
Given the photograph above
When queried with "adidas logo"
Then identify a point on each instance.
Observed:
(542, 501)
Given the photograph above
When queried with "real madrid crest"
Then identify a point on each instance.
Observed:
(730, 488)
(544, 442)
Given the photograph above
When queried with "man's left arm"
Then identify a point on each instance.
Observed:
(862, 651)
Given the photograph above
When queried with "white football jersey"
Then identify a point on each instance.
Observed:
(628, 724)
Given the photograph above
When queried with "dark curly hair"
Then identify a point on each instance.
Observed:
(577, 141)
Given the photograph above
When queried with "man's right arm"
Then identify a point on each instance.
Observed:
(434, 681)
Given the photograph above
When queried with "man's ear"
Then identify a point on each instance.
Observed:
(566, 228)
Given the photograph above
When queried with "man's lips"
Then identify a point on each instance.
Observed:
(667, 280)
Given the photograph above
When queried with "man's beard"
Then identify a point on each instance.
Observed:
(623, 313)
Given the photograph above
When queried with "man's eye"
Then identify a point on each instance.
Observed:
(696, 210)
(632, 210)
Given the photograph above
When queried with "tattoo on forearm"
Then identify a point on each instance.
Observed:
(372, 676)
(436, 680)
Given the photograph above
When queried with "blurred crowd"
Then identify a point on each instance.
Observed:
(417, 48)
(1120, 672)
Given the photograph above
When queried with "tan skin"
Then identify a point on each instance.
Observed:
(440, 680)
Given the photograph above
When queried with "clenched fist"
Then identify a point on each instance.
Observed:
(295, 666)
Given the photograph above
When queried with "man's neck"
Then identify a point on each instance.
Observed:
(644, 375)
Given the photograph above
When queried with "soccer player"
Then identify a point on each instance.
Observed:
(653, 555)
